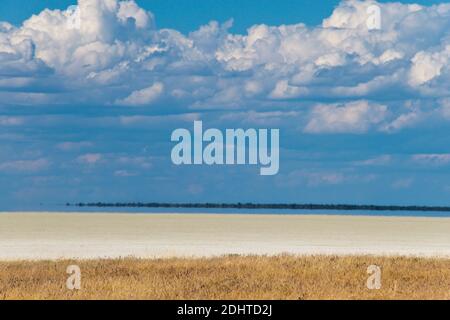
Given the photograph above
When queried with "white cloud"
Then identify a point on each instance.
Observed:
(438, 159)
(402, 121)
(130, 10)
(253, 118)
(283, 90)
(157, 120)
(142, 162)
(70, 146)
(90, 158)
(143, 97)
(118, 56)
(353, 117)
(311, 178)
(316, 178)
(377, 161)
(124, 173)
(428, 65)
(25, 165)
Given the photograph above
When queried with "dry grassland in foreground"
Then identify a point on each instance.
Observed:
(230, 277)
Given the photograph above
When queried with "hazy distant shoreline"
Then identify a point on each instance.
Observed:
(252, 206)
(37, 236)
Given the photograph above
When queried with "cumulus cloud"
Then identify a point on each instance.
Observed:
(427, 66)
(117, 56)
(353, 117)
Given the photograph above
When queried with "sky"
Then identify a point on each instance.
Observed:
(187, 15)
(87, 106)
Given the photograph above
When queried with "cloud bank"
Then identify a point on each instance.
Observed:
(345, 77)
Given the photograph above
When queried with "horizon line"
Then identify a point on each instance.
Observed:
(254, 206)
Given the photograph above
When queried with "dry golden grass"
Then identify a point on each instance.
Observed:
(231, 277)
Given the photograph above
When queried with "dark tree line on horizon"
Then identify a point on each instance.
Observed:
(292, 206)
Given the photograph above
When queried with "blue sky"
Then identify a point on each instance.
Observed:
(188, 15)
(86, 111)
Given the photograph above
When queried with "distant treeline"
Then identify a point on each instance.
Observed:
(292, 206)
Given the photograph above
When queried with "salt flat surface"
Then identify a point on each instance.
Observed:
(34, 236)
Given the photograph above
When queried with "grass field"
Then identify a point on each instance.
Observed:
(230, 277)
